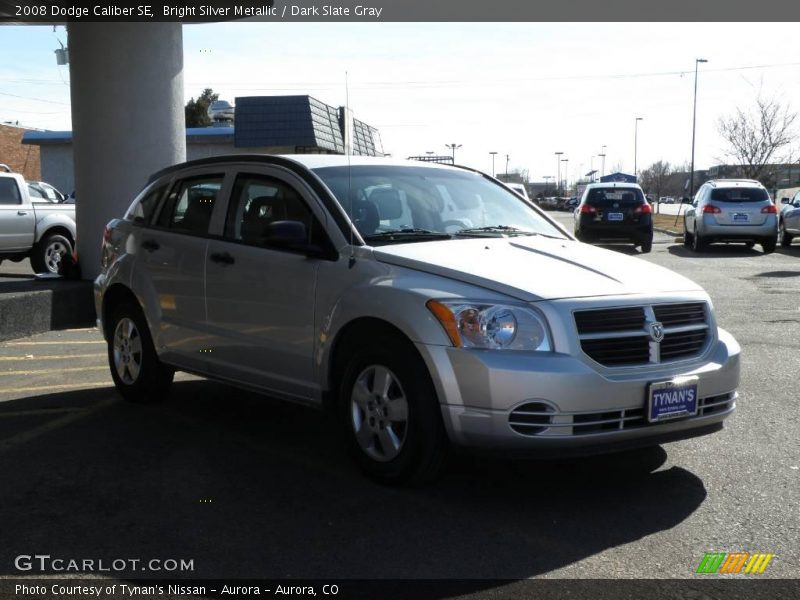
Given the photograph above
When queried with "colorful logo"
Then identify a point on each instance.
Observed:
(735, 562)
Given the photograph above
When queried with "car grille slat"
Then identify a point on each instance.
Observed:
(618, 337)
(615, 319)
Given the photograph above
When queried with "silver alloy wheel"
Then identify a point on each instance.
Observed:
(379, 413)
(127, 351)
(53, 253)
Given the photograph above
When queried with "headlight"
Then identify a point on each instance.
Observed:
(491, 326)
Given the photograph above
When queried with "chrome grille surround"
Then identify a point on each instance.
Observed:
(539, 419)
(641, 335)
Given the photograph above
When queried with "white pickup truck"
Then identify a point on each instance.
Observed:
(41, 230)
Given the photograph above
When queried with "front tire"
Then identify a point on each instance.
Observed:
(785, 238)
(390, 414)
(137, 372)
(47, 254)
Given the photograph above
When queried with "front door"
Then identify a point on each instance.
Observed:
(260, 294)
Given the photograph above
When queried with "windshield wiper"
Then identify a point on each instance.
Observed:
(507, 229)
(408, 232)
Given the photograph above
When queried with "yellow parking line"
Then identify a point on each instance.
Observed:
(59, 343)
(63, 386)
(26, 436)
(51, 357)
(46, 371)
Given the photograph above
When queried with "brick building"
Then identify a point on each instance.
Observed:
(21, 158)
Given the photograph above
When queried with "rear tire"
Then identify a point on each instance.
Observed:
(647, 246)
(768, 245)
(688, 238)
(138, 374)
(390, 413)
(698, 243)
(47, 254)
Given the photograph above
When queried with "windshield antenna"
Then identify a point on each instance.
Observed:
(348, 150)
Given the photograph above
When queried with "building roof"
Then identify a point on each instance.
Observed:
(194, 135)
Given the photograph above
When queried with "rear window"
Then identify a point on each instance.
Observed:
(603, 197)
(739, 194)
(9, 192)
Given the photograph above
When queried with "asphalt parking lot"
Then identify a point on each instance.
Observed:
(251, 487)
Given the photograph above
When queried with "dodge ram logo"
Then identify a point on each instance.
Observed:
(656, 331)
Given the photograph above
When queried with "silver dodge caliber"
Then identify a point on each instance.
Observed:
(427, 305)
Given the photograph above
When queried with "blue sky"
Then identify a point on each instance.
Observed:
(525, 89)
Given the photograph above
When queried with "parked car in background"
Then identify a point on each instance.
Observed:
(44, 231)
(41, 191)
(667, 200)
(571, 204)
(424, 304)
(789, 220)
(731, 210)
(615, 212)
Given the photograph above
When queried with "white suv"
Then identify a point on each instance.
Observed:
(731, 210)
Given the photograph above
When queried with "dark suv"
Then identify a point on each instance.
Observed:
(615, 212)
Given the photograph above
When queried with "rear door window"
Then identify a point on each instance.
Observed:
(144, 210)
(9, 192)
(189, 205)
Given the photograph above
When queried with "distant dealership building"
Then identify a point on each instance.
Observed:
(263, 124)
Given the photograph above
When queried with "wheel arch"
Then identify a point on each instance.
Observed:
(347, 339)
(114, 296)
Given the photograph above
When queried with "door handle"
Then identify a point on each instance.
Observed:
(22, 213)
(151, 245)
(223, 258)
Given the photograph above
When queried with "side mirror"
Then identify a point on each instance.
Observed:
(784, 201)
(290, 234)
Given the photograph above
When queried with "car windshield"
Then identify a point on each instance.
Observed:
(739, 194)
(392, 204)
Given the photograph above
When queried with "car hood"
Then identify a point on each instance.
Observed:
(536, 268)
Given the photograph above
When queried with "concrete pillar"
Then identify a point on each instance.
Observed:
(127, 119)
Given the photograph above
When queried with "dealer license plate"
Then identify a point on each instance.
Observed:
(672, 399)
(615, 216)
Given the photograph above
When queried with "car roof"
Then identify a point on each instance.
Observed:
(734, 183)
(309, 161)
(619, 184)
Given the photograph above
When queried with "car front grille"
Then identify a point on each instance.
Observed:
(642, 335)
(540, 419)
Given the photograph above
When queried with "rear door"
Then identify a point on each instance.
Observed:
(616, 206)
(739, 205)
(17, 219)
(170, 265)
(791, 217)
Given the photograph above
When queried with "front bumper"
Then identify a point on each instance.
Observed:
(590, 411)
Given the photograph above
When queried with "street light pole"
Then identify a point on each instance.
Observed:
(558, 165)
(493, 155)
(603, 166)
(507, 159)
(636, 147)
(697, 61)
(453, 147)
(566, 173)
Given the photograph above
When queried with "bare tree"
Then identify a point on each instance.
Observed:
(756, 135)
(655, 177)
